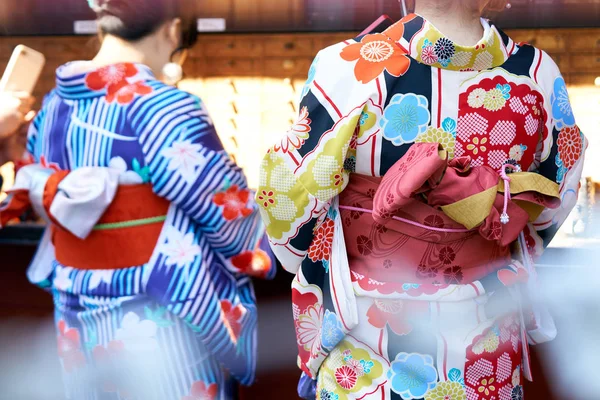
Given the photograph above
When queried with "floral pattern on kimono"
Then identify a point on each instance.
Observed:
(366, 102)
(197, 282)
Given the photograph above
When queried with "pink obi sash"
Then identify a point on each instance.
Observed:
(434, 221)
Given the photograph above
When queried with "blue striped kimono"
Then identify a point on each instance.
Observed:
(182, 326)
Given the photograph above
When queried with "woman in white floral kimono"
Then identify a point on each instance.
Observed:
(409, 286)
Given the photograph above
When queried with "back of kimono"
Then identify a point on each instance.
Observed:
(375, 316)
(180, 322)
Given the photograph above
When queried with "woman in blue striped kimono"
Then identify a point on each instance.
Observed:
(156, 302)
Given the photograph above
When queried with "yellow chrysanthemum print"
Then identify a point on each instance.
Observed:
(438, 135)
(447, 391)
(494, 100)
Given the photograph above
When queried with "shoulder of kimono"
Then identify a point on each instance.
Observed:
(164, 97)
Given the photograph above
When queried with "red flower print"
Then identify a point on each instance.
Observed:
(108, 359)
(355, 214)
(371, 193)
(494, 362)
(381, 229)
(266, 198)
(200, 391)
(434, 220)
(50, 165)
(365, 245)
(390, 198)
(428, 55)
(346, 377)
(570, 145)
(254, 263)
(374, 54)
(425, 271)
(297, 135)
(234, 201)
(447, 255)
(387, 264)
(111, 75)
(69, 347)
(232, 317)
(508, 277)
(453, 275)
(125, 92)
(339, 177)
(320, 248)
(395, 314)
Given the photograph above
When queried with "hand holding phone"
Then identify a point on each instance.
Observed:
(23, 70)
(15, 109)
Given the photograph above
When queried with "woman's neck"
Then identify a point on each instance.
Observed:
(115, 50)
(458, 21)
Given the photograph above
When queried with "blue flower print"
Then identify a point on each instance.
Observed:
(324, 394)
(312, 72)
(561, 106)
(412, 375)
(505, 89)
(560, 174)
(326, 265)
(444, 62)
(366, 365)
(331, 333)
(427, 43)
(405, 118)
(449, 125)
(363, 118)
(408, 286)
(454, 375)
(332, 213)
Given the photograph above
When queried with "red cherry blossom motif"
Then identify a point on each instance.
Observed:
(234, 201)
(232, 317)
(395, 314)
(253, 263)
(266, 198)
(107, 359)
(111, 75)
(69, 347)
(50, 165)
(124, 92)
(201, 391)
(114, 78)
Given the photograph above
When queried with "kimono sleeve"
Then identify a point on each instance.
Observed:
(189, 167)
(560, 155)
(304, 171)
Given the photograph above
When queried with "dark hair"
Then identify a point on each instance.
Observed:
(133, 20)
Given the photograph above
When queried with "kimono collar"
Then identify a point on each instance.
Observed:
(82, 80)
(426, 44)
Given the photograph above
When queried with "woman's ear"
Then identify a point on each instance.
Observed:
(174, 32)
(494, 7)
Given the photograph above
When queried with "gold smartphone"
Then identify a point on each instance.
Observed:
(23, 70)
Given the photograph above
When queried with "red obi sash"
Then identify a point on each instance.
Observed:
(125, 235)
(434, 221)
